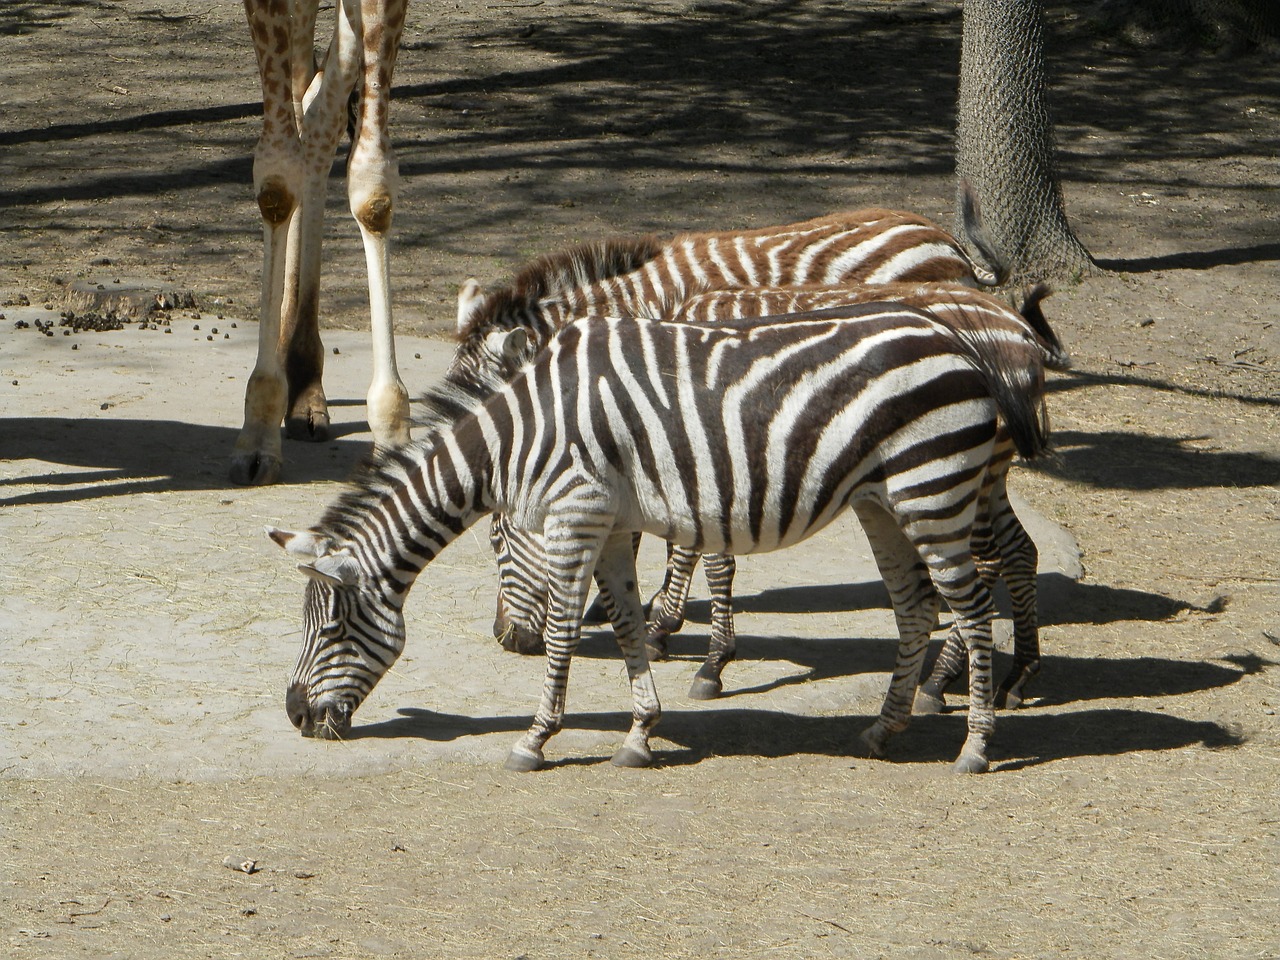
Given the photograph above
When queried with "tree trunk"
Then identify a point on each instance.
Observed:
(1005, 143)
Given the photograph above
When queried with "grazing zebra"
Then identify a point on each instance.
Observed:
(1002, 545)
(645, 277)
(734, 438)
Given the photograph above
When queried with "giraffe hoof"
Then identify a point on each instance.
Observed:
(255, 469)
(311, 426)
(631, 758)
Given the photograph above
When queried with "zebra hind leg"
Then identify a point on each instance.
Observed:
(953, 658)
(666, 609)
(1018, 558)
(719, 569)
(915, 607)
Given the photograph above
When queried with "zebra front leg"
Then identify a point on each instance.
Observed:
(915, 609)
(596, 614)
(666, 609)
(719, 569)
(573, 542)
(616, 577)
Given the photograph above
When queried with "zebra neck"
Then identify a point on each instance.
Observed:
(411, 504)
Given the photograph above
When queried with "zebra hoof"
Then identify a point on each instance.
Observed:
(872, 743)
(926, 704)
(1007, 700)
(655, 651)
(516, 639)
(971, 763)
(704, 689)
(631, 758)
(522, 762)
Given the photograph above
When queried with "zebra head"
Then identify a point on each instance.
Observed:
(351, 635)
(521, 615)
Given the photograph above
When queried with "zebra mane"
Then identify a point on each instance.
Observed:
(438, 410)
(554, 274)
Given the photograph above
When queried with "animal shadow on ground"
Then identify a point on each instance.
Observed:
(1025, 737)
(1061, 601)
(122, 457)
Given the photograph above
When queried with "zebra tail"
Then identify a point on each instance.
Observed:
(1056, 355)
(975, 230)
(1014, 376)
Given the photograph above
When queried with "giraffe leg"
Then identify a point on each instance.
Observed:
(371, 184)
(307, 409)
(277, 180)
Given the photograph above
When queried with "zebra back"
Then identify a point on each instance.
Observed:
(645, 277)
(963, 308)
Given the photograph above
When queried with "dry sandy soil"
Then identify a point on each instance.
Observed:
(147, 630)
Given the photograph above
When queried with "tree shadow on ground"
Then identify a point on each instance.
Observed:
(1026, 738)
(1194, 259)
(122, 457)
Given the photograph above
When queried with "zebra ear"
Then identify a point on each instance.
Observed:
(299, 544)
(333, 569)
(507, 345)
(469, 300)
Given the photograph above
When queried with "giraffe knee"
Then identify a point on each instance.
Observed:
(276, 201)
(374, 213)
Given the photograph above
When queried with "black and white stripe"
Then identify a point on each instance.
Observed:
(650, 278)
(1002, 544)
(732, 439)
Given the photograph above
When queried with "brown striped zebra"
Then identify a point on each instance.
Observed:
(735, 438)
(1001, 544)
(646, 277)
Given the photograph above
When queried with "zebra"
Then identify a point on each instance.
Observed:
(1004, 546)
(643, 276)
(732, 438)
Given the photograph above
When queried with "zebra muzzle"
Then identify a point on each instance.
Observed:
(517, 639)
(324, 722)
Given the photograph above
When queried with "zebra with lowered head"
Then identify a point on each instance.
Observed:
(733, 438)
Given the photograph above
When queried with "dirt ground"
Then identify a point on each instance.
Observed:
(1132, 808)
